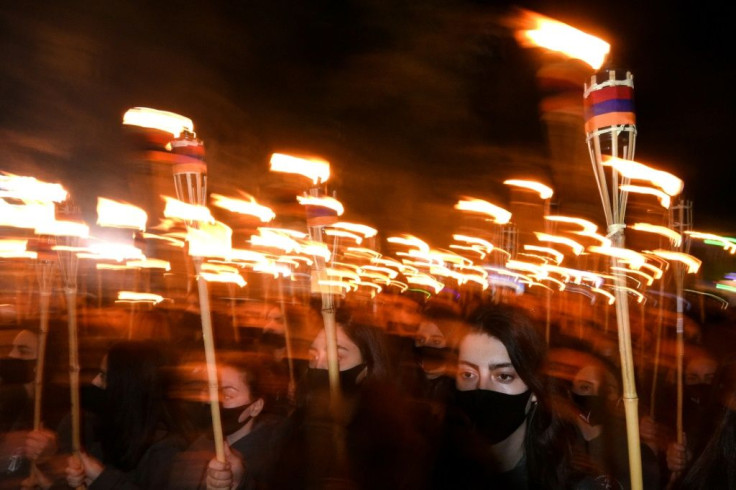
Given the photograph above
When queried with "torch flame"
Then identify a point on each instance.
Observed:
(325, 202)
(630, 169)
(185, 211)
(30, 189)
(169, 122)
(664, 199)
(692, 263)
(499, 215)
(119, 215)
(544, 191)
(577, 249)
(364, 230)
(133, 297)
(659, 230)
(249, 207)
(557, 36)
(314, 168)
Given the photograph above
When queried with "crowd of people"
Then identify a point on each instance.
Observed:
(433, 394)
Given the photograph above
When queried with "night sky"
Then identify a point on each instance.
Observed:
(414, 103)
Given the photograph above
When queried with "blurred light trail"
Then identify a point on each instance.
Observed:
(576, 248)
(187, 212)
(316, 169)
(544, 191)
(247, 207)
(649, 279)
(500, 216)
(558, 256)
(725, 242)
(585, 225)
(322, 202)
(602, 292)
(675, 237)
(364, 230)
(664, 200)
(114, 214)
(631, 257)
(630, 169)
(559, 37)
(692, 263)
(169, 122)
(133, 297)
(30, 189)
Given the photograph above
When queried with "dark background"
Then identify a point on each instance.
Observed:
(414, 103)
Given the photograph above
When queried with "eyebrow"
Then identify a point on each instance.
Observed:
(490, 366)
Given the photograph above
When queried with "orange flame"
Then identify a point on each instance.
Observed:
(693, 263)
(675, 237)
(577, 249)
(557, 36)
(499, 215)
(240, 206)
(664, 199)
(630, 169)
(188, 212)
(545, 192)
(30, 189)
(325, 202)
(313, 168)
(115, 214)
(133, 297)
(169, 122)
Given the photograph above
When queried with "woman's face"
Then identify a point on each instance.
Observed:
(348, 354)
(234, 392)
(484, 364)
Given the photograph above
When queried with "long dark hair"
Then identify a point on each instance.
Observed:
(548, 442)
(715, 468)
(134, 408)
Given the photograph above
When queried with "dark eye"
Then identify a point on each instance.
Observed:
(505, 378)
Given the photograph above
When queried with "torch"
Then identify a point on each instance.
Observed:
(610, 126)
(320, 211)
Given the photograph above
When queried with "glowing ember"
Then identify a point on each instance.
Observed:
(248, 207)
(559, 37)
(115, 214)
(313, 168)
(154, 119)
(499, 215)
(544, 191)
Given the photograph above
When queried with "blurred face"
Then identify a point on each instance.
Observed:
(274, 321)
(587, 381)
(25, 346)
(484, 364)
(233, 390)
(429, 335)
(401, 314)
(348, 354)
(700, 371)
(100, 380)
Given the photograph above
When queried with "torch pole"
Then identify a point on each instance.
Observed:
(657, 349)
(71, 302)
(630, 398)
(287, 337)
(209, 353)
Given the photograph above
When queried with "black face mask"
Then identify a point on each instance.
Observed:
(432, 358)
(697, 394)
(93, 399)
(592, 408)
(273, 340)
(319, 379)
(494, 415)
(17, 371)
(229, 418)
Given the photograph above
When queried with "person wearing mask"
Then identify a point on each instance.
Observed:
(700, 368)
(250, 430)
(136, 439)
(359, 437)
(501, 429)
